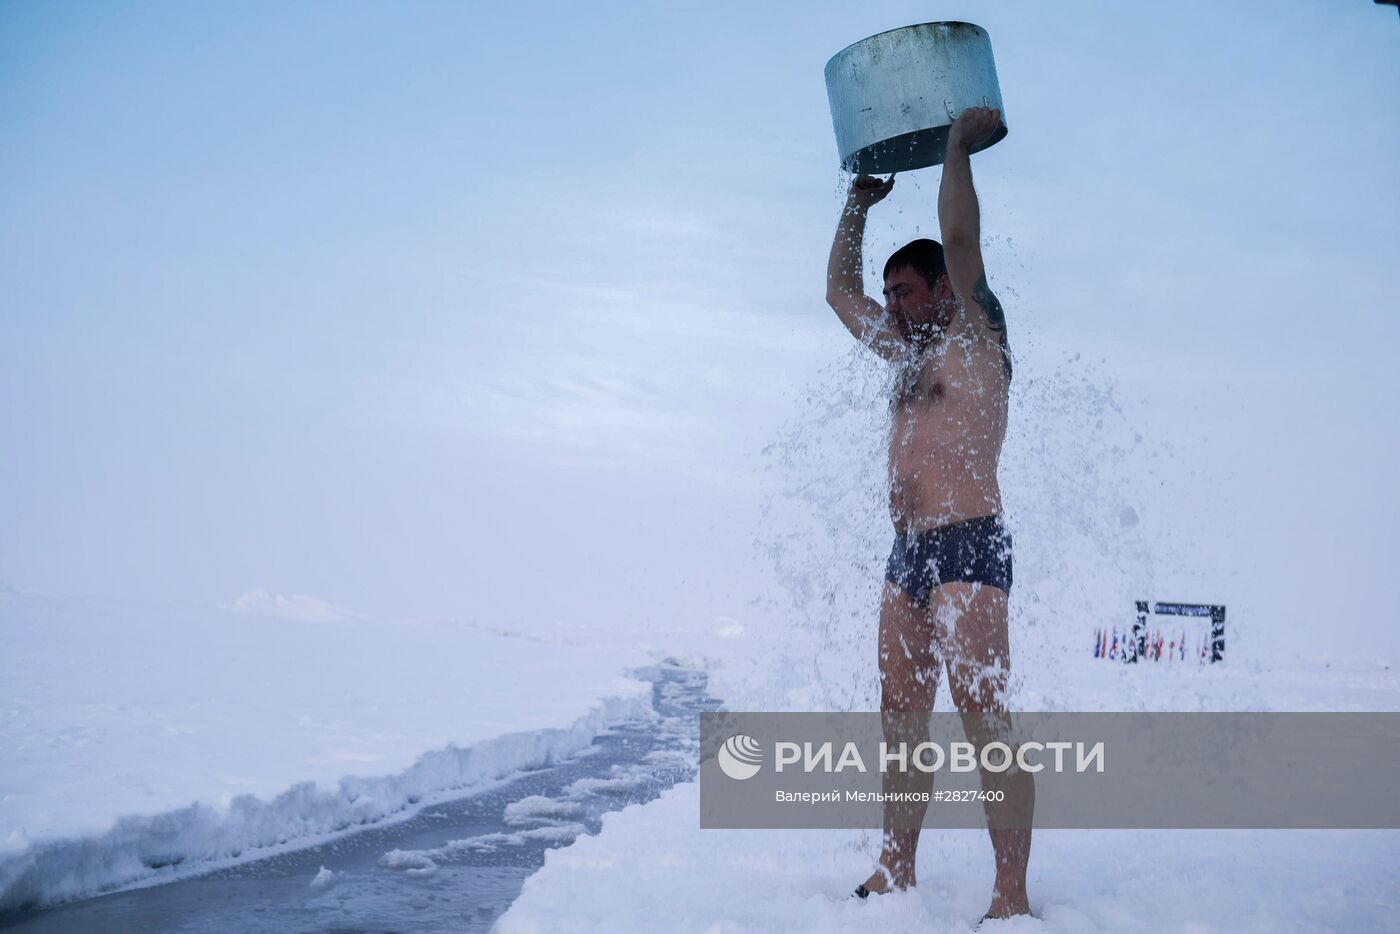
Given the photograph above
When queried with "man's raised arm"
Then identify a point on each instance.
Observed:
(845, 286)
(960, 221)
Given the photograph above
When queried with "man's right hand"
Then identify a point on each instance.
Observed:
(866, 190)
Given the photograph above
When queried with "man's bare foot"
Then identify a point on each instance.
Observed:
(880, 882)
(1008, 906)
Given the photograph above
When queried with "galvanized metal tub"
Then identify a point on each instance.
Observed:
(894, 95)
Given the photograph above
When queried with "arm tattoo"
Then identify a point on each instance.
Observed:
(991, 307)
(996, 318)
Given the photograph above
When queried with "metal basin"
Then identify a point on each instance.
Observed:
(894, 95)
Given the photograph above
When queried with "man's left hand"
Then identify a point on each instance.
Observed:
(974, 126)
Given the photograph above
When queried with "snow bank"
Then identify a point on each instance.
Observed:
(297, 607)
(652, 861)
(139, 743)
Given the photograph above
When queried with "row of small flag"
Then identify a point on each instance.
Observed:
(1116, 646)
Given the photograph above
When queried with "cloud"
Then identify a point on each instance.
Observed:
(607, 374)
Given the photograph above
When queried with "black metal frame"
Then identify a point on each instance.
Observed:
(1215, 611)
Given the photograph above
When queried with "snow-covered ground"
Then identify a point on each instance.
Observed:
(654, 861)
(140, 742)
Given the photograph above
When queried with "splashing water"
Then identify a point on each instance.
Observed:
(1073, 472)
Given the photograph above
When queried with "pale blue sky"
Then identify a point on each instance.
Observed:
(473, 309)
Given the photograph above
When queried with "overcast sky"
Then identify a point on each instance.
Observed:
(492, 310)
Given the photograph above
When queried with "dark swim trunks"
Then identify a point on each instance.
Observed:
(974, 550)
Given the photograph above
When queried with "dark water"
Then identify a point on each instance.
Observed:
(455, 866)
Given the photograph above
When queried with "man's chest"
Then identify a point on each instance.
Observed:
(946, 384)
(930, 383)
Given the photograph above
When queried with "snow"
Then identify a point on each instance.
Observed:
(299, 607)
(141, 742)
(537, 809)
(226, 746)
(654, 861)
(323, 879)
(409, 863)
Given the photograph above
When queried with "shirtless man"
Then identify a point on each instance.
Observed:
(946, 583)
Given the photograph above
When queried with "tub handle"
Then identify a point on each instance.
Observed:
(948, 106)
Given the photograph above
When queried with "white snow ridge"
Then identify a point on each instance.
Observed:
(296, 607)
(245, 736)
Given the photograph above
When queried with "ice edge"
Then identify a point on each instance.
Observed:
(162, 847)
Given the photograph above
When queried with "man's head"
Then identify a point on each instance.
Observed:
(918, 294)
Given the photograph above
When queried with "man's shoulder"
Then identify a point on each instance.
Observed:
(984, 349)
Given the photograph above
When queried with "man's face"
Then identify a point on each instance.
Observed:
(912, 303)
